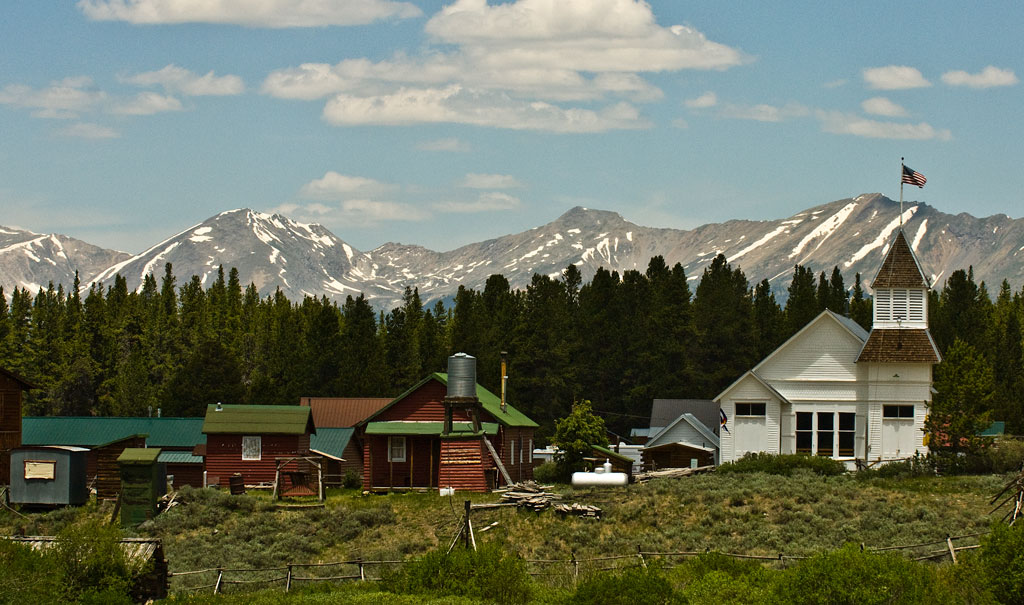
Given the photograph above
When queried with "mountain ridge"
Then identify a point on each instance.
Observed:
(273, 251)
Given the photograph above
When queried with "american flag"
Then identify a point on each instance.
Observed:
(912, 177)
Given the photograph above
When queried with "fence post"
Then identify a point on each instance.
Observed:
(288, 579)
(952, 551)
(220, 576)
(362, 574)
(468, 505)
(640, 554)
(575, 569)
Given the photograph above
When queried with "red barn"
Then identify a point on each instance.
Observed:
(405, 445)
(248, 439)
(11, 386)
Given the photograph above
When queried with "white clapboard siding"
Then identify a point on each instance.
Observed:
(824, 351)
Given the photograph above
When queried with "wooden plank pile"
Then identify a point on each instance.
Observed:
(671, 473)
(576, 509)
(529, 494)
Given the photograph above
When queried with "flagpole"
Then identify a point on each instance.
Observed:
(901, 193)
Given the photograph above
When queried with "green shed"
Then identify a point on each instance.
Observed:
(143, 481)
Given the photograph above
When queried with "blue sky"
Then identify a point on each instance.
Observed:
(443, 123)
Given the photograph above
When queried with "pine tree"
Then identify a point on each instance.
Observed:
(768, 319)
(802, 304)
(860, 307)
(724, 321)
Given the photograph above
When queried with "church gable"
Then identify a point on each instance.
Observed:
(825, 350)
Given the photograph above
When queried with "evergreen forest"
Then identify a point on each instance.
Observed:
(619, 341)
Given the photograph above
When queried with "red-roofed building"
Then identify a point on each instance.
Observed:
(343, 453)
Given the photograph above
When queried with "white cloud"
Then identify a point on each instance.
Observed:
(448, 144)
(455, 105)
(490, 201)
(881, 106)
(840, 123)
(86, 130)
(251, 13)
(764, 113)
(490, 181)
(180, 80)
(147, 103)
(708, 99)
(334, 185)
(835, 84)
(584, 35)
(513, 65)
(987, 78)
(352, 213)
(680, 123)
(894, 77)
(62, 99)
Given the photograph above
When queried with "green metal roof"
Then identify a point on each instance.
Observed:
(611, 454)
(331, 442)
(994, 430)
(179, 458)
(459, 429)
(488, 400)
(139, 455)
(258, 420)
(93, 431)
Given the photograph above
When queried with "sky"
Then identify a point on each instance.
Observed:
(124, 122)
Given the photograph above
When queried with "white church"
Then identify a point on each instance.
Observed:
(836, 390)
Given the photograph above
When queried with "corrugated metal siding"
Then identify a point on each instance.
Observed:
(224, 457)
(463, 464)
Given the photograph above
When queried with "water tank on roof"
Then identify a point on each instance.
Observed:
(461, 375)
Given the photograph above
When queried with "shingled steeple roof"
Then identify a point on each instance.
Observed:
(900, 268)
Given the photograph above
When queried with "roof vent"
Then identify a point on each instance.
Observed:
(462, 376)
(220, 408)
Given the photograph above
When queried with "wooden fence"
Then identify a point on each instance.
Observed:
(565, 570)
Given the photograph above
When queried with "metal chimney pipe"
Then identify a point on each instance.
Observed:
(504, 379)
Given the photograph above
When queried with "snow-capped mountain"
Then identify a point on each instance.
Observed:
(32, 260)
(273, 251)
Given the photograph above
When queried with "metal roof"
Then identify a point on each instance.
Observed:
(92, 431)
(459, 429)
(611, 454)
(169, 457)
(331, 442)
(342, 412)
(664, 411)
(258, 420)
(139, 455)
(490, 402)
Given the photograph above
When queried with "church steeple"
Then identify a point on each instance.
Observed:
(899, 327)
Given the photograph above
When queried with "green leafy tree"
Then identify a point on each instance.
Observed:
(575, 435)
(960, 409)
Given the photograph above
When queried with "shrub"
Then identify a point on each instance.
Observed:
(27, 575)
(92, 563)
(918, 466)
(548, 473)
(352, 479)
(849, 576)
(1002, 559)
(783, 464)
(718, 578)
(489, 573)
(1005, 455)
(628, 587)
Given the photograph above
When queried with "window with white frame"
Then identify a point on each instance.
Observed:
(252, 447)
(396, 448)
(826, 433)
(751, 409)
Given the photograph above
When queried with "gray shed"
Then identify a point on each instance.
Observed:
(51, 475)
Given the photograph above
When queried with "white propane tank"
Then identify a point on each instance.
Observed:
(602, 476)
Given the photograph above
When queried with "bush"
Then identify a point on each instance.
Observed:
(352, 479)
(1005, 455)
(489, 574)
(1002, 559)
(548, 473)
(783, 464)
(717, 578)
(92, 563)
(849, 576)
(27, 575)
(918, 466)
(628, 587)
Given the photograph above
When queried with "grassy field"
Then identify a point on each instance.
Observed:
(754, 514)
